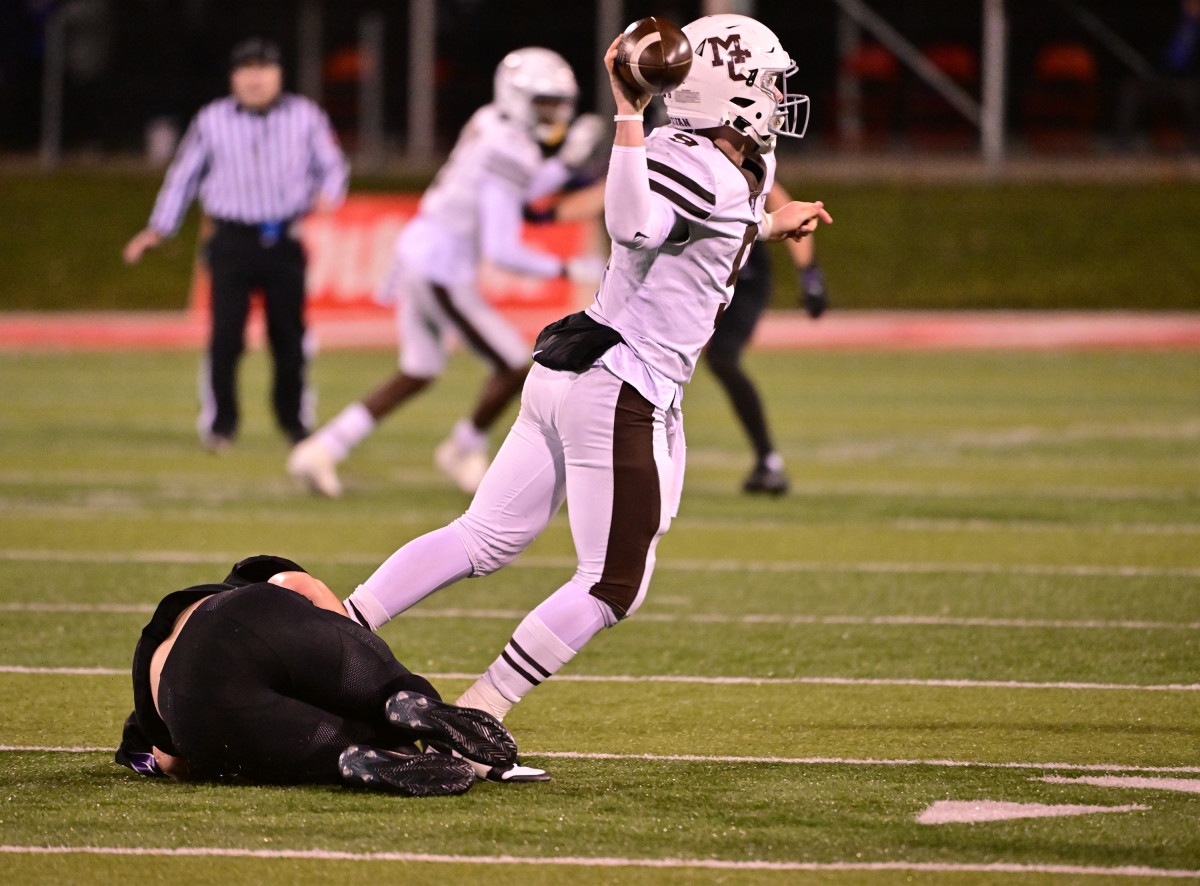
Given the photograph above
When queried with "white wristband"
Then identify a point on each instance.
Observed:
(765, 227)
(627, 118)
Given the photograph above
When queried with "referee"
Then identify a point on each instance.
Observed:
(259, 159)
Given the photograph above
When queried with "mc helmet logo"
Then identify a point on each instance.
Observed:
(734, 54)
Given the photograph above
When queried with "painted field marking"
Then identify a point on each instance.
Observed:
(701, 618)
(129, 505)
(972, 811)
(674, 565)
(909, 524)
(68, 672)
(725, 758)
(1186, 785)
(608, 862)
(731, 681)
(861, 761)
(428, 479)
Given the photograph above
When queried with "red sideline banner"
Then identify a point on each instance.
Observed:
(349, 252)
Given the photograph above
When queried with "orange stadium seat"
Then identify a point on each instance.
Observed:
(878, 74)
(1062, 101)
(932, 122)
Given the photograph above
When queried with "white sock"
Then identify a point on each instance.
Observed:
(484, 696)
(533, 654)
(346, 430)
(774, 461)
(426, 564)
(363, 608)
(469, 437)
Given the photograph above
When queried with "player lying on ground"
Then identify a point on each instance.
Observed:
(263, 676)
(600, 419)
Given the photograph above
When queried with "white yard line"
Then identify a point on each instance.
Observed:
(733, 681)
(700, 458)
(909, 524)
(788, 761)
(668, 564)
(609, 862)
(703, 618)
(1183, 785)
(127, 504)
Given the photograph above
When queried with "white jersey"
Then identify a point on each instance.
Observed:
(494, 159)
(666, 302)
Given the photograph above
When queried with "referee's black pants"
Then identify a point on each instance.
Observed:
(241, 261)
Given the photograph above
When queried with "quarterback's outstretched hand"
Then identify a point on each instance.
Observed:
(796, 219)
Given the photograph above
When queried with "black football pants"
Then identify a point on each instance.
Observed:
(240, 262)
(262, 684)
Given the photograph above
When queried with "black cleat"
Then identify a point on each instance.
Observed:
(765, 480)
(412, 775)
(813, 293)
(476, 735)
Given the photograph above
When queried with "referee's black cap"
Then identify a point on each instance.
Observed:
(255, 51)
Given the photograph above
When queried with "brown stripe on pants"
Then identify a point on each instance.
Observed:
(473, 336)
(636, 502)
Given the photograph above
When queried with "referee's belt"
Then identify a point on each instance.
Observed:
(268, 232)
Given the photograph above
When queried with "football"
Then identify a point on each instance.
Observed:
(653, 56)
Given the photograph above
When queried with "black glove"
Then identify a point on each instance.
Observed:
(813, 294)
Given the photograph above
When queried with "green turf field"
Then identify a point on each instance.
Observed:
(987, 575)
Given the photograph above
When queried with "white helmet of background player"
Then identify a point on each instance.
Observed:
(738, 78)
(537, 88)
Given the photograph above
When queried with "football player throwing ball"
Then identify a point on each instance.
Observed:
(600, 420)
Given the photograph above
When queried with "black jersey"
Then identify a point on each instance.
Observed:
(144, 728)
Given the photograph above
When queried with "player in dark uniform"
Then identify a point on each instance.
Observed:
(263, 676)
(724, 353)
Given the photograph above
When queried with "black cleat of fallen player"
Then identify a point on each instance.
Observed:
(476, 735)
(410, 775)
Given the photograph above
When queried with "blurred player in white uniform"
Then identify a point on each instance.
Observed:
(600, 420)
(515, 150)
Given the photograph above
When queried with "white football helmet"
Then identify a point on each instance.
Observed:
(536, 88)
(738, 78)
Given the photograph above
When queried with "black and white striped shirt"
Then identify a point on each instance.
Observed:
(253, 167)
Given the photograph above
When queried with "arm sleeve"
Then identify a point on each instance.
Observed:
(329, 165)
(182, 181)
(500, 224)
(634, 216)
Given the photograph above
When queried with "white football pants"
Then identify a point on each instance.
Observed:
(593, 440)
(428, 313)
